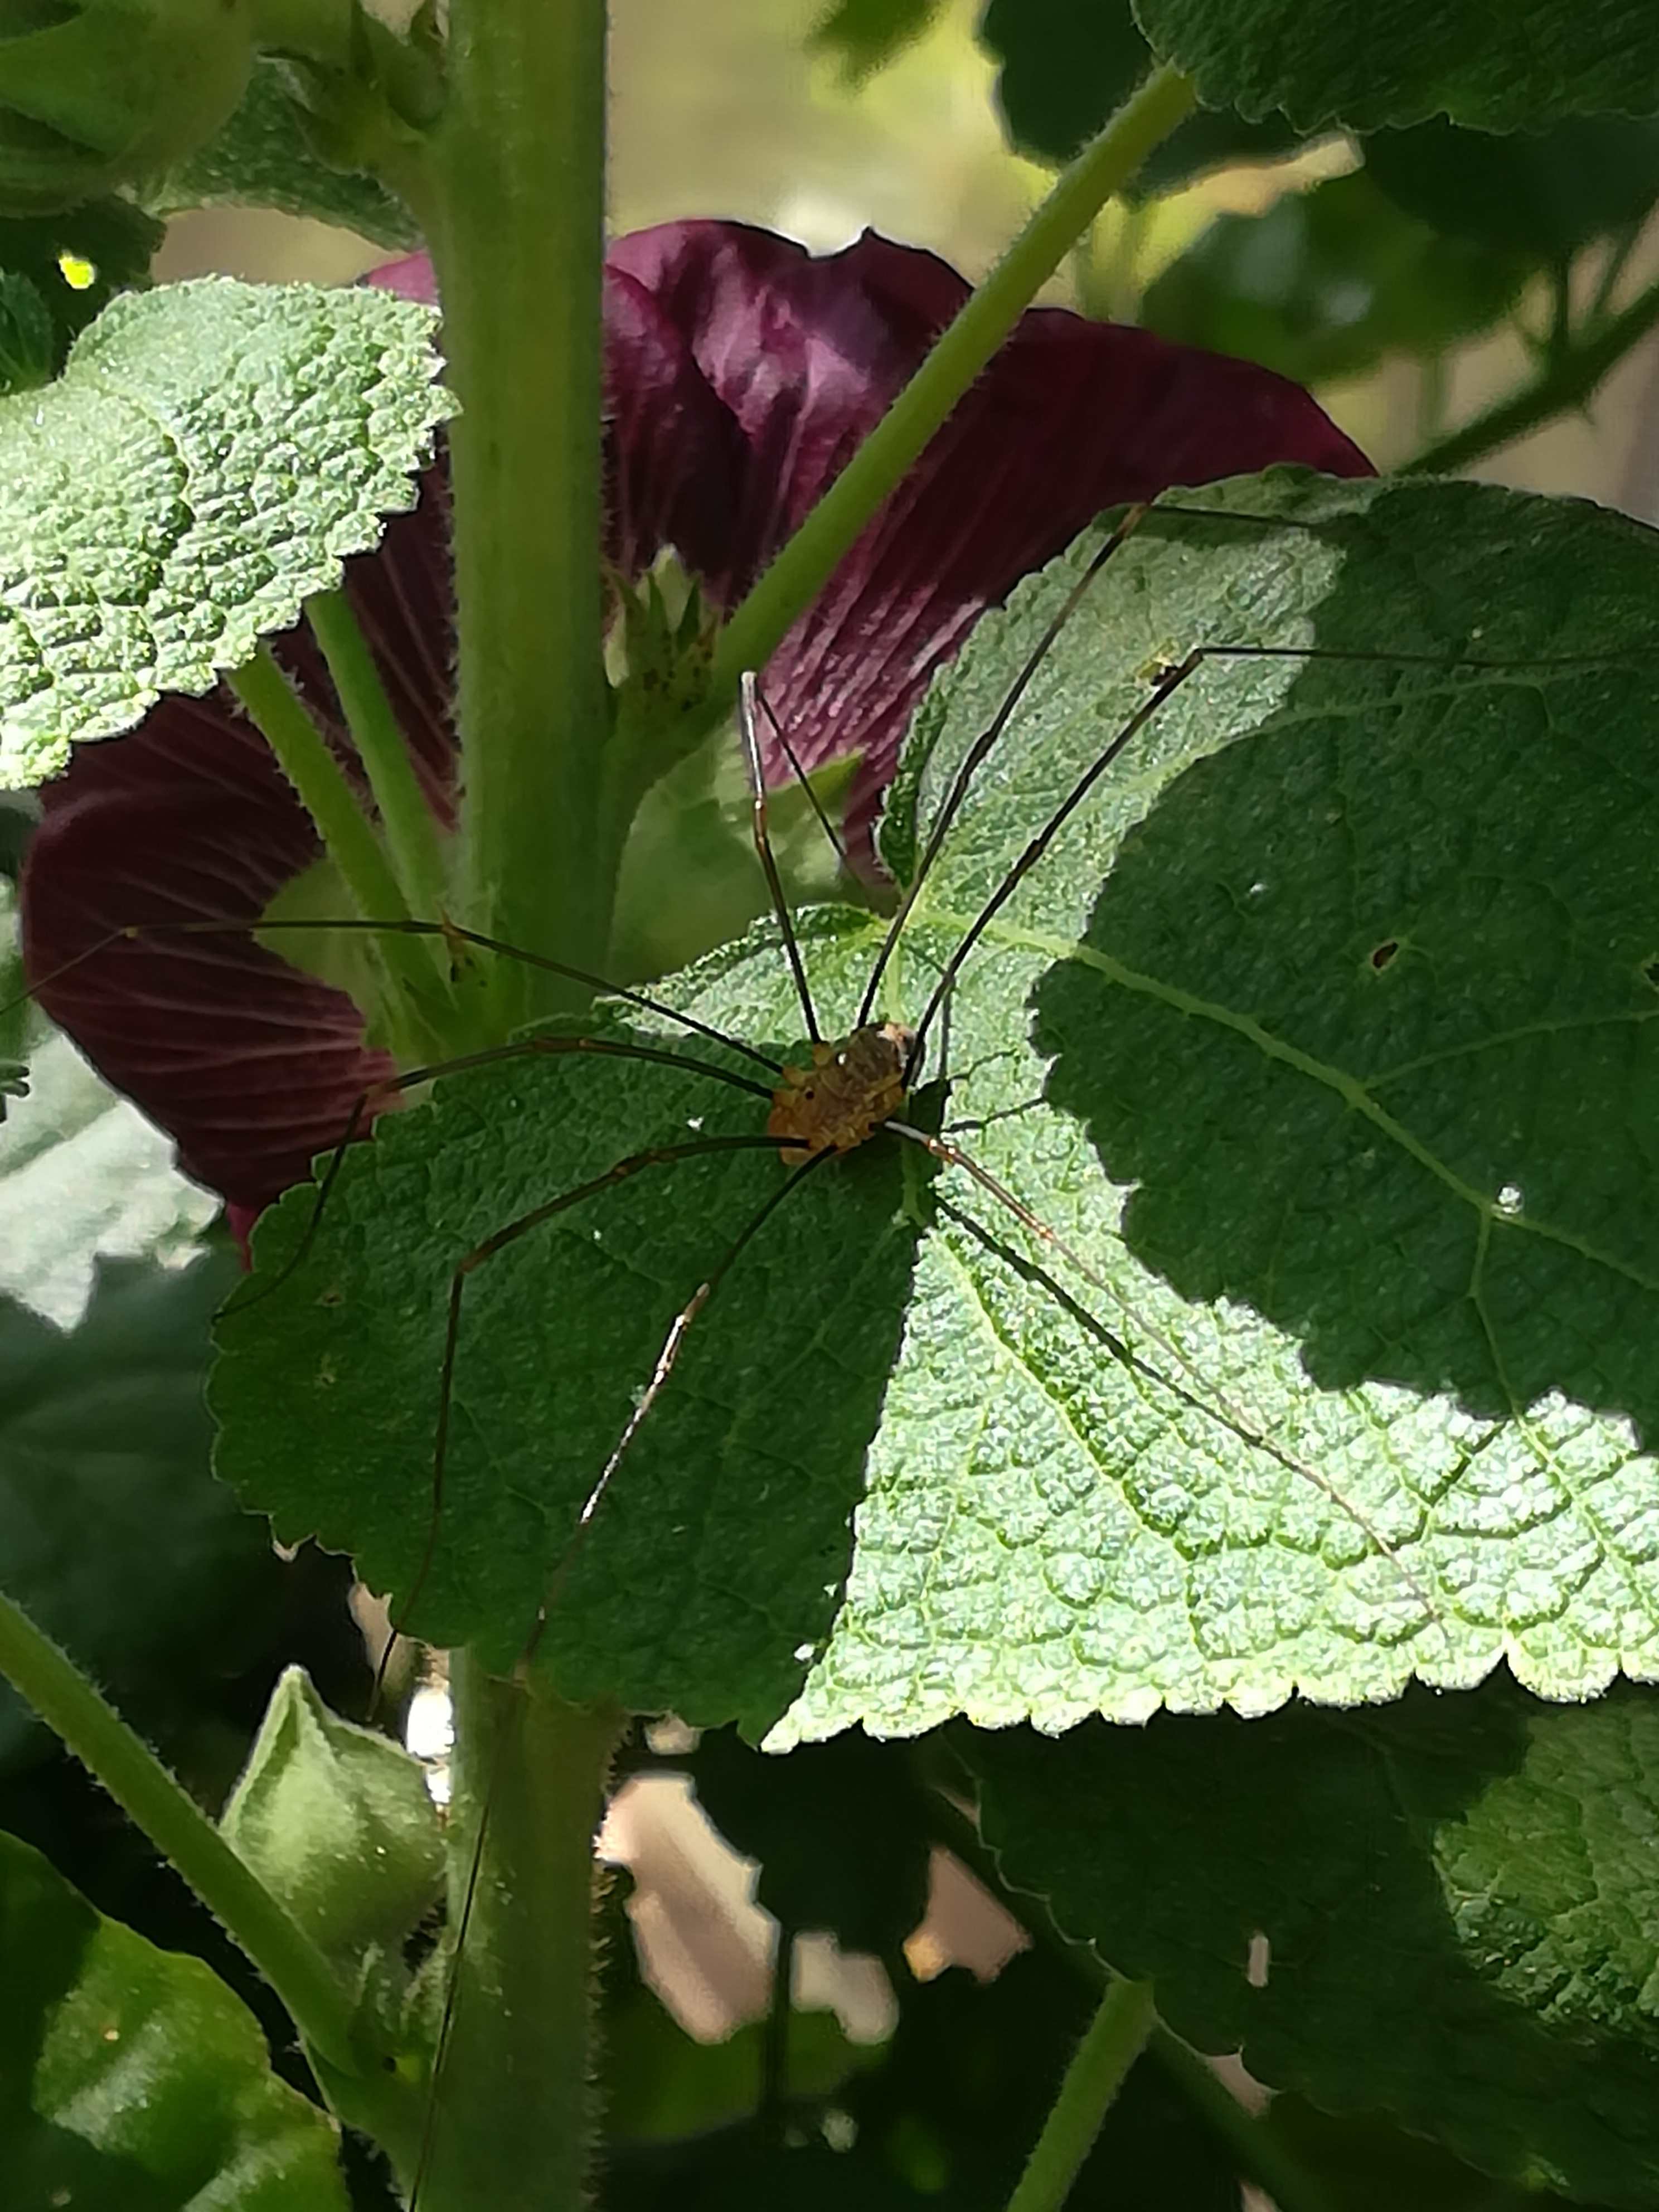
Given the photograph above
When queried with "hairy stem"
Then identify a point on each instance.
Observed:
(413, 843)
(518, 179)
(807, 562)
(1114, 2039)
(320, 2004)
(512, 2116)
(277, 711)
(1567, 380)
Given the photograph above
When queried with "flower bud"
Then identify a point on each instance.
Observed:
(95, 94)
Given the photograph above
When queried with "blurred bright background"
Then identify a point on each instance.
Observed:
(731, 109)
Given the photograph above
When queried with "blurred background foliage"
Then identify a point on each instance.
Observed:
(1416, 279)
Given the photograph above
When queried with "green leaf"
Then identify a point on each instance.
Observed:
(1545, 195)
(1445, 1911)
(1329, 282)
(1357, 1389)
(104, 1440)
(130, 2078)
(1332, 61)
(867, 34)
(264, 156)
(1068, 64)
(338, 1823)
(210, 455)
(871, 1890)
(83, 1176)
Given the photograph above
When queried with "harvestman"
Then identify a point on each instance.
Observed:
(852, 1090)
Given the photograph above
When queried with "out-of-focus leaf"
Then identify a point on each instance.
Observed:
(1544, 194)
(867, 34)
(1328, 281)
(1067, 64)
(132, 2080)
(266, 156)
(1441, 1909)
(1518, 66)
(104, 1443)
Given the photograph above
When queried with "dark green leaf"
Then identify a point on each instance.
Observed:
(1338, 62)
(1318, 1036)
(1068, 64)
(1544, 195)
(1365, 2164)
(130, 2079)
(867, 34)
(870, 1888)
(74, 263)
(1444, 1909)
(104, 1440)
(266, 156)
(1328, 282)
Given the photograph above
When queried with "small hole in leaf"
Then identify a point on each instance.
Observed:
(1383, 953)
(1651, 971)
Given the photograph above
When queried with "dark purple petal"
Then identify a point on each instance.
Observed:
(1071, 417)
(250, 1066)
(741, 375)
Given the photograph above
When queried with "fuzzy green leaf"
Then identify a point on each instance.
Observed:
(211, 453)
(1324, 1036)
(264, 156)
(132, 2077)
(1332, 62)
(1444, 1911)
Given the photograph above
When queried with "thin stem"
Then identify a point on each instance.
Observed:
(320, 2003)
(810, 558)
(517, 168)
(1559, 385)
(512, 2104)
(1258, 2156)
(1114, 2039)
(413, 842)
(277, 711)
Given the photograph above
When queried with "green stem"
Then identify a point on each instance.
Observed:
(1114, 2039)
(1562, 383)
(320, 2004)
(411, 830)
(807, 562)
(274, 707)
(512, 2113)
(1259, 2157)
(517, 240)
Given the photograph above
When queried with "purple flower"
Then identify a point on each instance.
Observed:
(741, 375)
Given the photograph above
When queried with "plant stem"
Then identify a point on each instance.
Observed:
(517, 241)
(1114, 2039)
(1259, 2157)
(513, 2110)
(1564, 381)
(320, 2004)
(276, 711)
(411, 832)
(807, 562)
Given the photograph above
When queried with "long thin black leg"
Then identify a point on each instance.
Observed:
(983, 744)
(452, 932)
(749, 727)
(490, 1056)
(681, 1323)
(799, 774)
(1232, 1416)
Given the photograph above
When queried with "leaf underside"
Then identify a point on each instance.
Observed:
(1329, 1053)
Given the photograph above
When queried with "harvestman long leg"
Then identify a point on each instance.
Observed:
(678, 1329)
